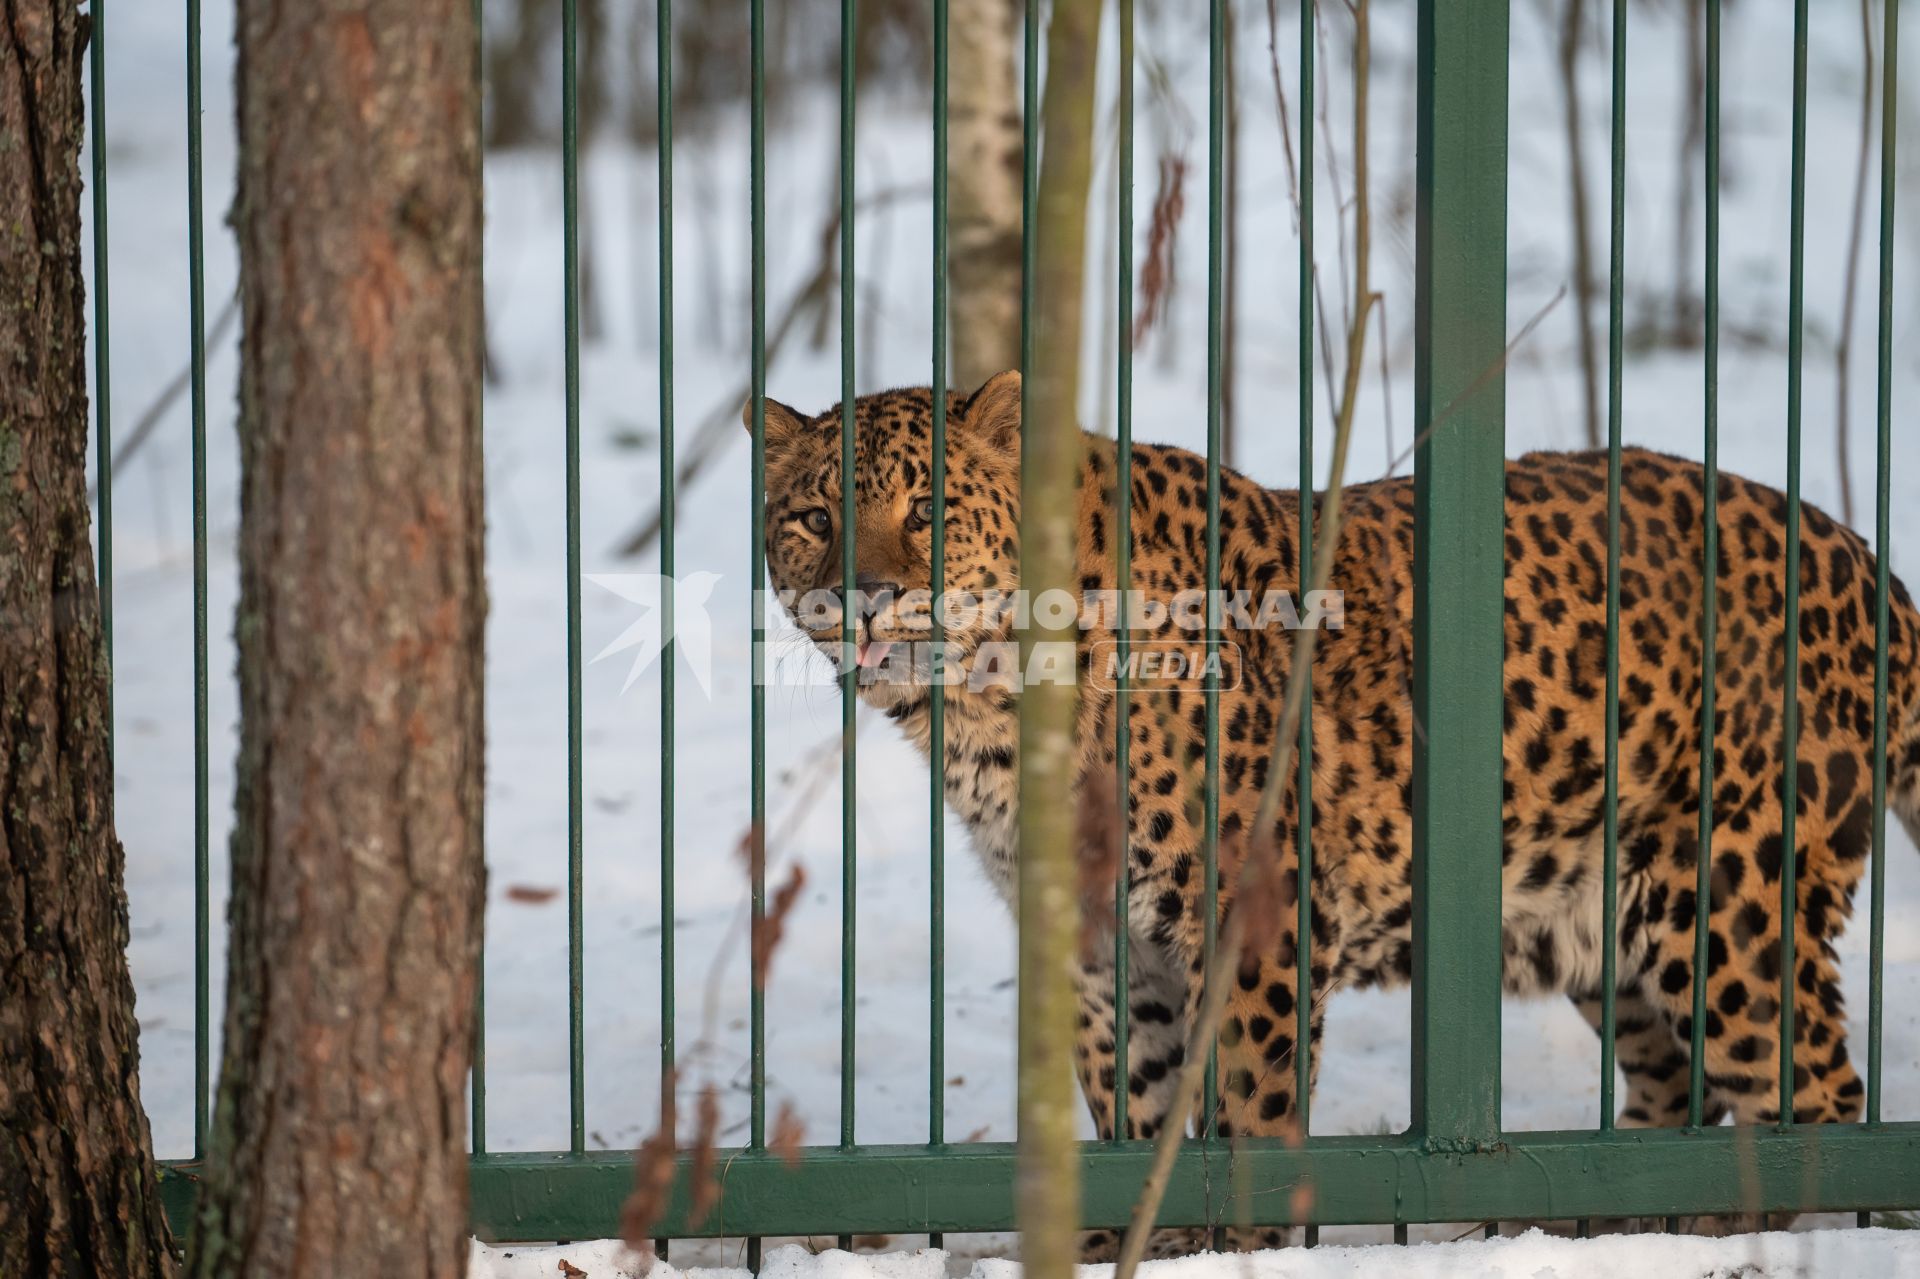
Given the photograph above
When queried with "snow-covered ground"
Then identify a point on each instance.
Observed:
(1550, 1056)
(1532, 1255)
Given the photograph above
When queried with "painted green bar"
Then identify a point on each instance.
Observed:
(1610, 812)
(570, 214)
(1030, 195)
(1459, 496)
(937, 706)
(1790, 709)
(1123, 579)
(1556, 1175)
(202, 804)
(1883, 552)
(477, 1083)
(1029, 183)
(849, 669)
(102, 363)
(757, 713)
(1303, 931)
(1710, 580)
(1210, 787)
(663, 31)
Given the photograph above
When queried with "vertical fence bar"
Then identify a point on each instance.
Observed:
(851, 608)
(570, 213)
(669, 1050)
(102, 364)
(1029, 187)
(1210, 787)
(1123, 581)
(1029, 197)
(202, 804)
(1790, 710)
(936, 668)
(1709, 581)
(1610, 811)
(477, 1086)
(1459, 527)
(1883, 551)
(757, 714)
(1303, 951)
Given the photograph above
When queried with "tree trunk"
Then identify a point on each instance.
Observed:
(1052, 452)
(339, 1135)
(983, 198)
(78, 1192)
(77, 1185)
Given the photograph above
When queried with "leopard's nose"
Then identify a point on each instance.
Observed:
(871, 594)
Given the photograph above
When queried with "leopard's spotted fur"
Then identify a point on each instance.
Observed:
(1364, 739)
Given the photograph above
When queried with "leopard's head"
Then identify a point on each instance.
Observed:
(893, 528)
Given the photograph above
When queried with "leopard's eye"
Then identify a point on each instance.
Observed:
(817, 520)
(923, 511)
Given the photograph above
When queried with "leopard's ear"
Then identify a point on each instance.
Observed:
(992, 413)
(782, 422)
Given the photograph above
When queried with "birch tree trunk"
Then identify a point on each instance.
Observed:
(1052, 450)
(78, 1193)
(983, 196)
(339, 1136)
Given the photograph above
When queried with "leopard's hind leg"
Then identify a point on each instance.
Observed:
(1654, 1058)
(1744, 972)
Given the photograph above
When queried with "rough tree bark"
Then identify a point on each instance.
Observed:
(78, 1193)
(338, 1144)
(983, 199)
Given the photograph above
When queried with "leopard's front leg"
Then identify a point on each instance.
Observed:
(1258, 1047)
(1156, 1047)
(1258, 1050)
(1156, 1038)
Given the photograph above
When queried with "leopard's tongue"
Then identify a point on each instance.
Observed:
(869, 654)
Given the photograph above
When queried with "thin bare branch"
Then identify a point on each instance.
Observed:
(1583, 287)
(1843, 348)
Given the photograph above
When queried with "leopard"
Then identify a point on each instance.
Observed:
(1364, 734)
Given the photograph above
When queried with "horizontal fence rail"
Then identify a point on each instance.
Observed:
(1456, 1162)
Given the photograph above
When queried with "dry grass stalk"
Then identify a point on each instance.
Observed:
(706, 1158)
(766, 938)
(1156, 277)
(788, 1133)
(653, 1167)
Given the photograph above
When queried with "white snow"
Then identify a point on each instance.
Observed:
(1550, 1057)
(1533, 1255)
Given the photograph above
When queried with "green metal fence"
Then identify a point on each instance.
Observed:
(1456, 1162)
